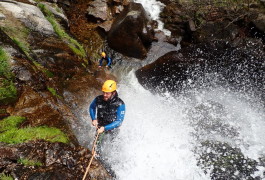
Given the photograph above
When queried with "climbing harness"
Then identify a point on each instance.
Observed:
(93, 155)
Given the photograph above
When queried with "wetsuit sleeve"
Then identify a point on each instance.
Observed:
(109, 61)
(92, 109)
(118, 121)
(100, 62)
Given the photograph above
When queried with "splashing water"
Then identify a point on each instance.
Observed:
(159, 134)
(154, 8)
(154, 141)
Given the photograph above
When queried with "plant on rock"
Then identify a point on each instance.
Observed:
(8, 91)
(29, 162)
(11, 134)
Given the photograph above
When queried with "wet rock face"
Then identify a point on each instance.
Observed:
(56, 161)
(225, 161)
(216, 62)
(130, 33)
(30, 15)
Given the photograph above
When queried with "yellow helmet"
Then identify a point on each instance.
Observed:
(109, 86)
(103, 54)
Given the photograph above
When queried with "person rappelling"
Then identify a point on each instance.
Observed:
(106, 58)
(107, 112)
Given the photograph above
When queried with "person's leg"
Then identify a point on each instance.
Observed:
(103, 148)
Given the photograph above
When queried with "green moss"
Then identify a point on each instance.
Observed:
(3, 111)
(43, 69)
(28, 162)
(16, 29)
(10, 122)
(23, 47)
(8, 91)
(4, 176)
(53, 91)
(72, 43)
(4, 67)
(11, 134)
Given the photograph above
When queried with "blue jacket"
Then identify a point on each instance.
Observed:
(107, 59)
(109, 114)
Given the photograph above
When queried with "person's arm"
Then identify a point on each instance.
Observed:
(92, 109)
(118, 121)
(109, 61)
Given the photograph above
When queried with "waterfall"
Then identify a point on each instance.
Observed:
(154, 8)
(162, 135)
(159, 135)
(154, 140)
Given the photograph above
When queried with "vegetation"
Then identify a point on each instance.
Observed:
(8, 91)
(236, 4)
(28, 162)
(202, 11)
(4, 176)
(23, 47)
(43, 69)
(72, 43)
(53, 91)
(14, 28)
(10, 133)
(4, 67)
(26, 50)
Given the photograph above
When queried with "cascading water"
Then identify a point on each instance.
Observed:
(154, 141)
(159, 135)
(154, 8)
(181, 136)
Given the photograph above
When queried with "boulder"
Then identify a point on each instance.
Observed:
(30, 15)
(98, 9)
(131, 32)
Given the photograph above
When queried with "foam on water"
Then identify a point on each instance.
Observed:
(154, 141)
(154, 8)
(158, 136)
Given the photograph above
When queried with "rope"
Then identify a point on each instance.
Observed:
(92, 157)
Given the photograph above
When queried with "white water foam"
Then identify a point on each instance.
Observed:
(154, 8)
(156, 138)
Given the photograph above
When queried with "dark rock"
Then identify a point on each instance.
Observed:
(260, 22)
(241, 67)
(130, 33)
(225, 161)
(58, 161)
(175, 18)
(220, 30)
(106, 25)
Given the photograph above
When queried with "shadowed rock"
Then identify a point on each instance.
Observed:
(55, 161)
(216, 62)
(130, 33)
